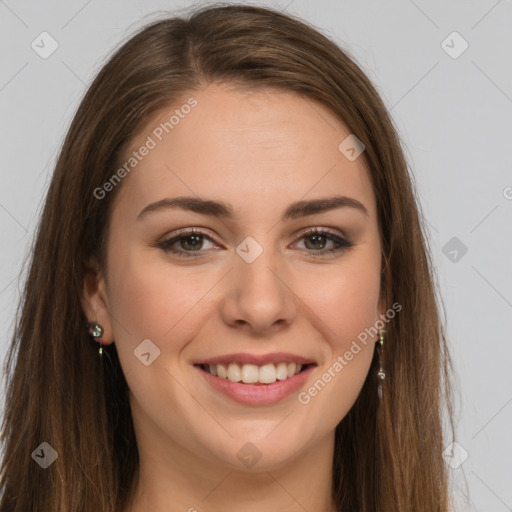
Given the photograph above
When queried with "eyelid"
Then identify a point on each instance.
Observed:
(322, 229)
(198, 230)
(185, 232)
(333, 235)
(195, 230)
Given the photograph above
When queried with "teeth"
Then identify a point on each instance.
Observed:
(221, 371)
(234, 373)
(282, 371)
(251, 373)
(267, 374)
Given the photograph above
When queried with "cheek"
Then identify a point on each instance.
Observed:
(151, 299)
(347, 309)
(345, 299)
(138, 298)
(345, 303)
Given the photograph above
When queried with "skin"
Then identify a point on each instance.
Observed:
(258, 151)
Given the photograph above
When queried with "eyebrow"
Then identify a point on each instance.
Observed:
(224, 210)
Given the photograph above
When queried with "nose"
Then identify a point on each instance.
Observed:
(258, 297)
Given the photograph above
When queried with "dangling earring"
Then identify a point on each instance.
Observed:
(380, 374)
(96, 332)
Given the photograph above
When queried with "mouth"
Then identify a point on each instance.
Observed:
(247, 373)
(254, 385)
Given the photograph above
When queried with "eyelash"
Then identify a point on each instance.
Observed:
(166, 245)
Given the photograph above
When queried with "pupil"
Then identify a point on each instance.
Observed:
(198, 240)
(316, 237)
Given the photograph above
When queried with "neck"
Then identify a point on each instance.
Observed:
(172, 481)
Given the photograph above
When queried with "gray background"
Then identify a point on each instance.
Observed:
(454, 116)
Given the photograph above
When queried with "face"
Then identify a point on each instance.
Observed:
(252, 285)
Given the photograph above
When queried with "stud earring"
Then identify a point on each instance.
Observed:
(95, 331)
(381, 374)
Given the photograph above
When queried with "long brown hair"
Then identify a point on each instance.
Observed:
(387, 458)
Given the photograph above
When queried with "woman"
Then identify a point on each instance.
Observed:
(230, 303)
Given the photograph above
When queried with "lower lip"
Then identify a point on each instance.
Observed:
(258, 394)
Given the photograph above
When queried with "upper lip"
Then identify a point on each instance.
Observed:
(256, 359)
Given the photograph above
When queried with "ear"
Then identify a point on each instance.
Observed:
(95, 300)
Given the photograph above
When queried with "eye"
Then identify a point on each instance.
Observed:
(189, 242)
(319, 238)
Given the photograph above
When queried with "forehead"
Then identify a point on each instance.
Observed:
(252, 148)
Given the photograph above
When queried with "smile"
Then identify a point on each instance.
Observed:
(256, 393)
(252, 374)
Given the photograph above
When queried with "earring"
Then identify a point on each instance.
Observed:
(95, 331)
(381, 373)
